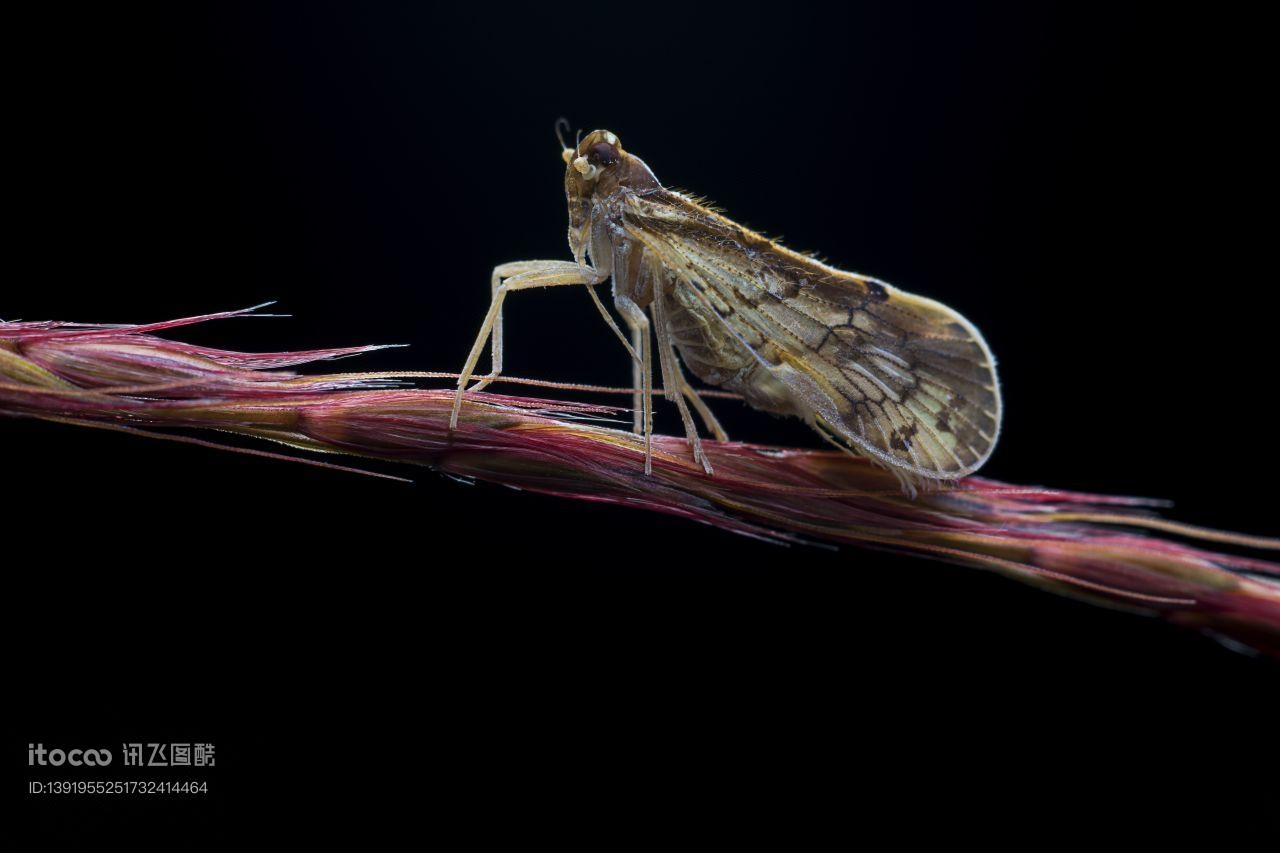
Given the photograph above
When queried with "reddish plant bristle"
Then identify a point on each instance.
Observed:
(1097, 547)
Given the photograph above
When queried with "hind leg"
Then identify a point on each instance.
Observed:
(676, 388)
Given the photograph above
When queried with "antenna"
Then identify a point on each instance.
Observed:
(563, 127)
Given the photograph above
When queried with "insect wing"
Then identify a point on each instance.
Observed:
(901, 378)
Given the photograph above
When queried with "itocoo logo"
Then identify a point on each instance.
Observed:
(37, 754)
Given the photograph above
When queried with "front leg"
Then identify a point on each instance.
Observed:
(503, 272)
(524, 275)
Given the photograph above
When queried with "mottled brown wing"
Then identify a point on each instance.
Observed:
(900, 378)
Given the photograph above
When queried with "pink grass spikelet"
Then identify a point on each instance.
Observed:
(1110, 550)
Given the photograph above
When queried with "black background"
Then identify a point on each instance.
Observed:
(1081, 184)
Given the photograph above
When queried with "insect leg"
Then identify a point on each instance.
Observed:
(505, 271)
(703, 410)
(604, 312)
(639, 323)
(500, 273)
(637, 382)
(544, 274)
(673, 382)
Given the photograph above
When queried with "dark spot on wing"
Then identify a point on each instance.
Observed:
(876, 291)
(901, 439)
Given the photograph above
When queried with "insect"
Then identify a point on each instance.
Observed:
(898, 378)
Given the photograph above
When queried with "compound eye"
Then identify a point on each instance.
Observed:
(602, 154)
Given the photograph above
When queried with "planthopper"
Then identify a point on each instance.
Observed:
(898, 378)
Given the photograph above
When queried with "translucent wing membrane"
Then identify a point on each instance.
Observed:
(902, 379)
